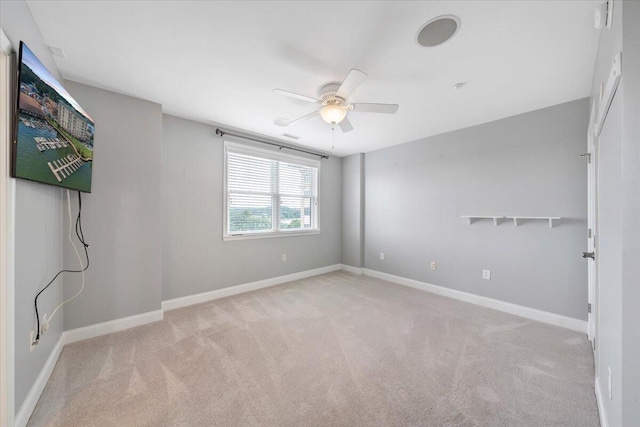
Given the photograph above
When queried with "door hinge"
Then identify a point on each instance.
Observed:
(589, 308)
(589, 234)
(604, 15)
(587, 155)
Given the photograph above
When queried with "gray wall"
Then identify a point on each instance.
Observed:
(38, 257)
(121, 216)
(353, 210)
(38, 232)
(618, 229)
(195, 259)
(631, 213)
(526, 165)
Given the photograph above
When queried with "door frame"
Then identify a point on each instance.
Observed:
(592, 222)
(7, 238)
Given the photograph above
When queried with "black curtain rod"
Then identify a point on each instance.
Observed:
(220, 132)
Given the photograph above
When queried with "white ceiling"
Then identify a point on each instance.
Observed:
(219, 61)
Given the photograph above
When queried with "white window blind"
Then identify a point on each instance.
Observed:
(269, 193)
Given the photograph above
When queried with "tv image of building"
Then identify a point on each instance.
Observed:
(73, 122)
(30, 106)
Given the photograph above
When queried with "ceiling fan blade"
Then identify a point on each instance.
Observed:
(295, 95)
(345, 125)
(305, 117)
(376, 108)
(351, 83)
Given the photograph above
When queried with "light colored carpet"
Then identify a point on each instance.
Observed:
(332, 350)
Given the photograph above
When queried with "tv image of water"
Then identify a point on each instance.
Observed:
(31, 163)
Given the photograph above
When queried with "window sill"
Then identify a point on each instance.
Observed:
(268, 235)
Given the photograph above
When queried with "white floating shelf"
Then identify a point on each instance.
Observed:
(470, 218)
(496, 219)
(546, 218)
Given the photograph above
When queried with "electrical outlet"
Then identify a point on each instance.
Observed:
(486, 274)
(284, 257)
(434, 265)
(32, 343)
(382, 256)
(609, 386)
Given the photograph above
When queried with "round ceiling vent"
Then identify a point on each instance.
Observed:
(438, 30)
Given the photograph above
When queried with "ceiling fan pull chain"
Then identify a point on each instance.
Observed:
(333, 136)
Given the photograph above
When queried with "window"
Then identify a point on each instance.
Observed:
(269, 193)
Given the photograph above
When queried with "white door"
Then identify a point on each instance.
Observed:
(592, 197)
(599, 110)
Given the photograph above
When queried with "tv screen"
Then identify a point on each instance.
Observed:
(53, 135)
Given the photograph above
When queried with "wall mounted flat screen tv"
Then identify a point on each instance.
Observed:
(53, 141)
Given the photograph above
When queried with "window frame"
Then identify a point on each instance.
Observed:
(251, 150)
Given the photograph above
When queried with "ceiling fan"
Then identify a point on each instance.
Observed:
(333, 98)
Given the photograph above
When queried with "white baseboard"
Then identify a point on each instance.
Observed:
(104, 328)
(29, 404)
(507, 307)
(350, 269)
(601, 409)
(247, 287)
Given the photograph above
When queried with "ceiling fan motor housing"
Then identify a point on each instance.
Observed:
(328, 96)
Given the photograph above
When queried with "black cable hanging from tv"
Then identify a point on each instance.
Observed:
(220, 132)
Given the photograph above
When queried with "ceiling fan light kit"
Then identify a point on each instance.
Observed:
(333, 113)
